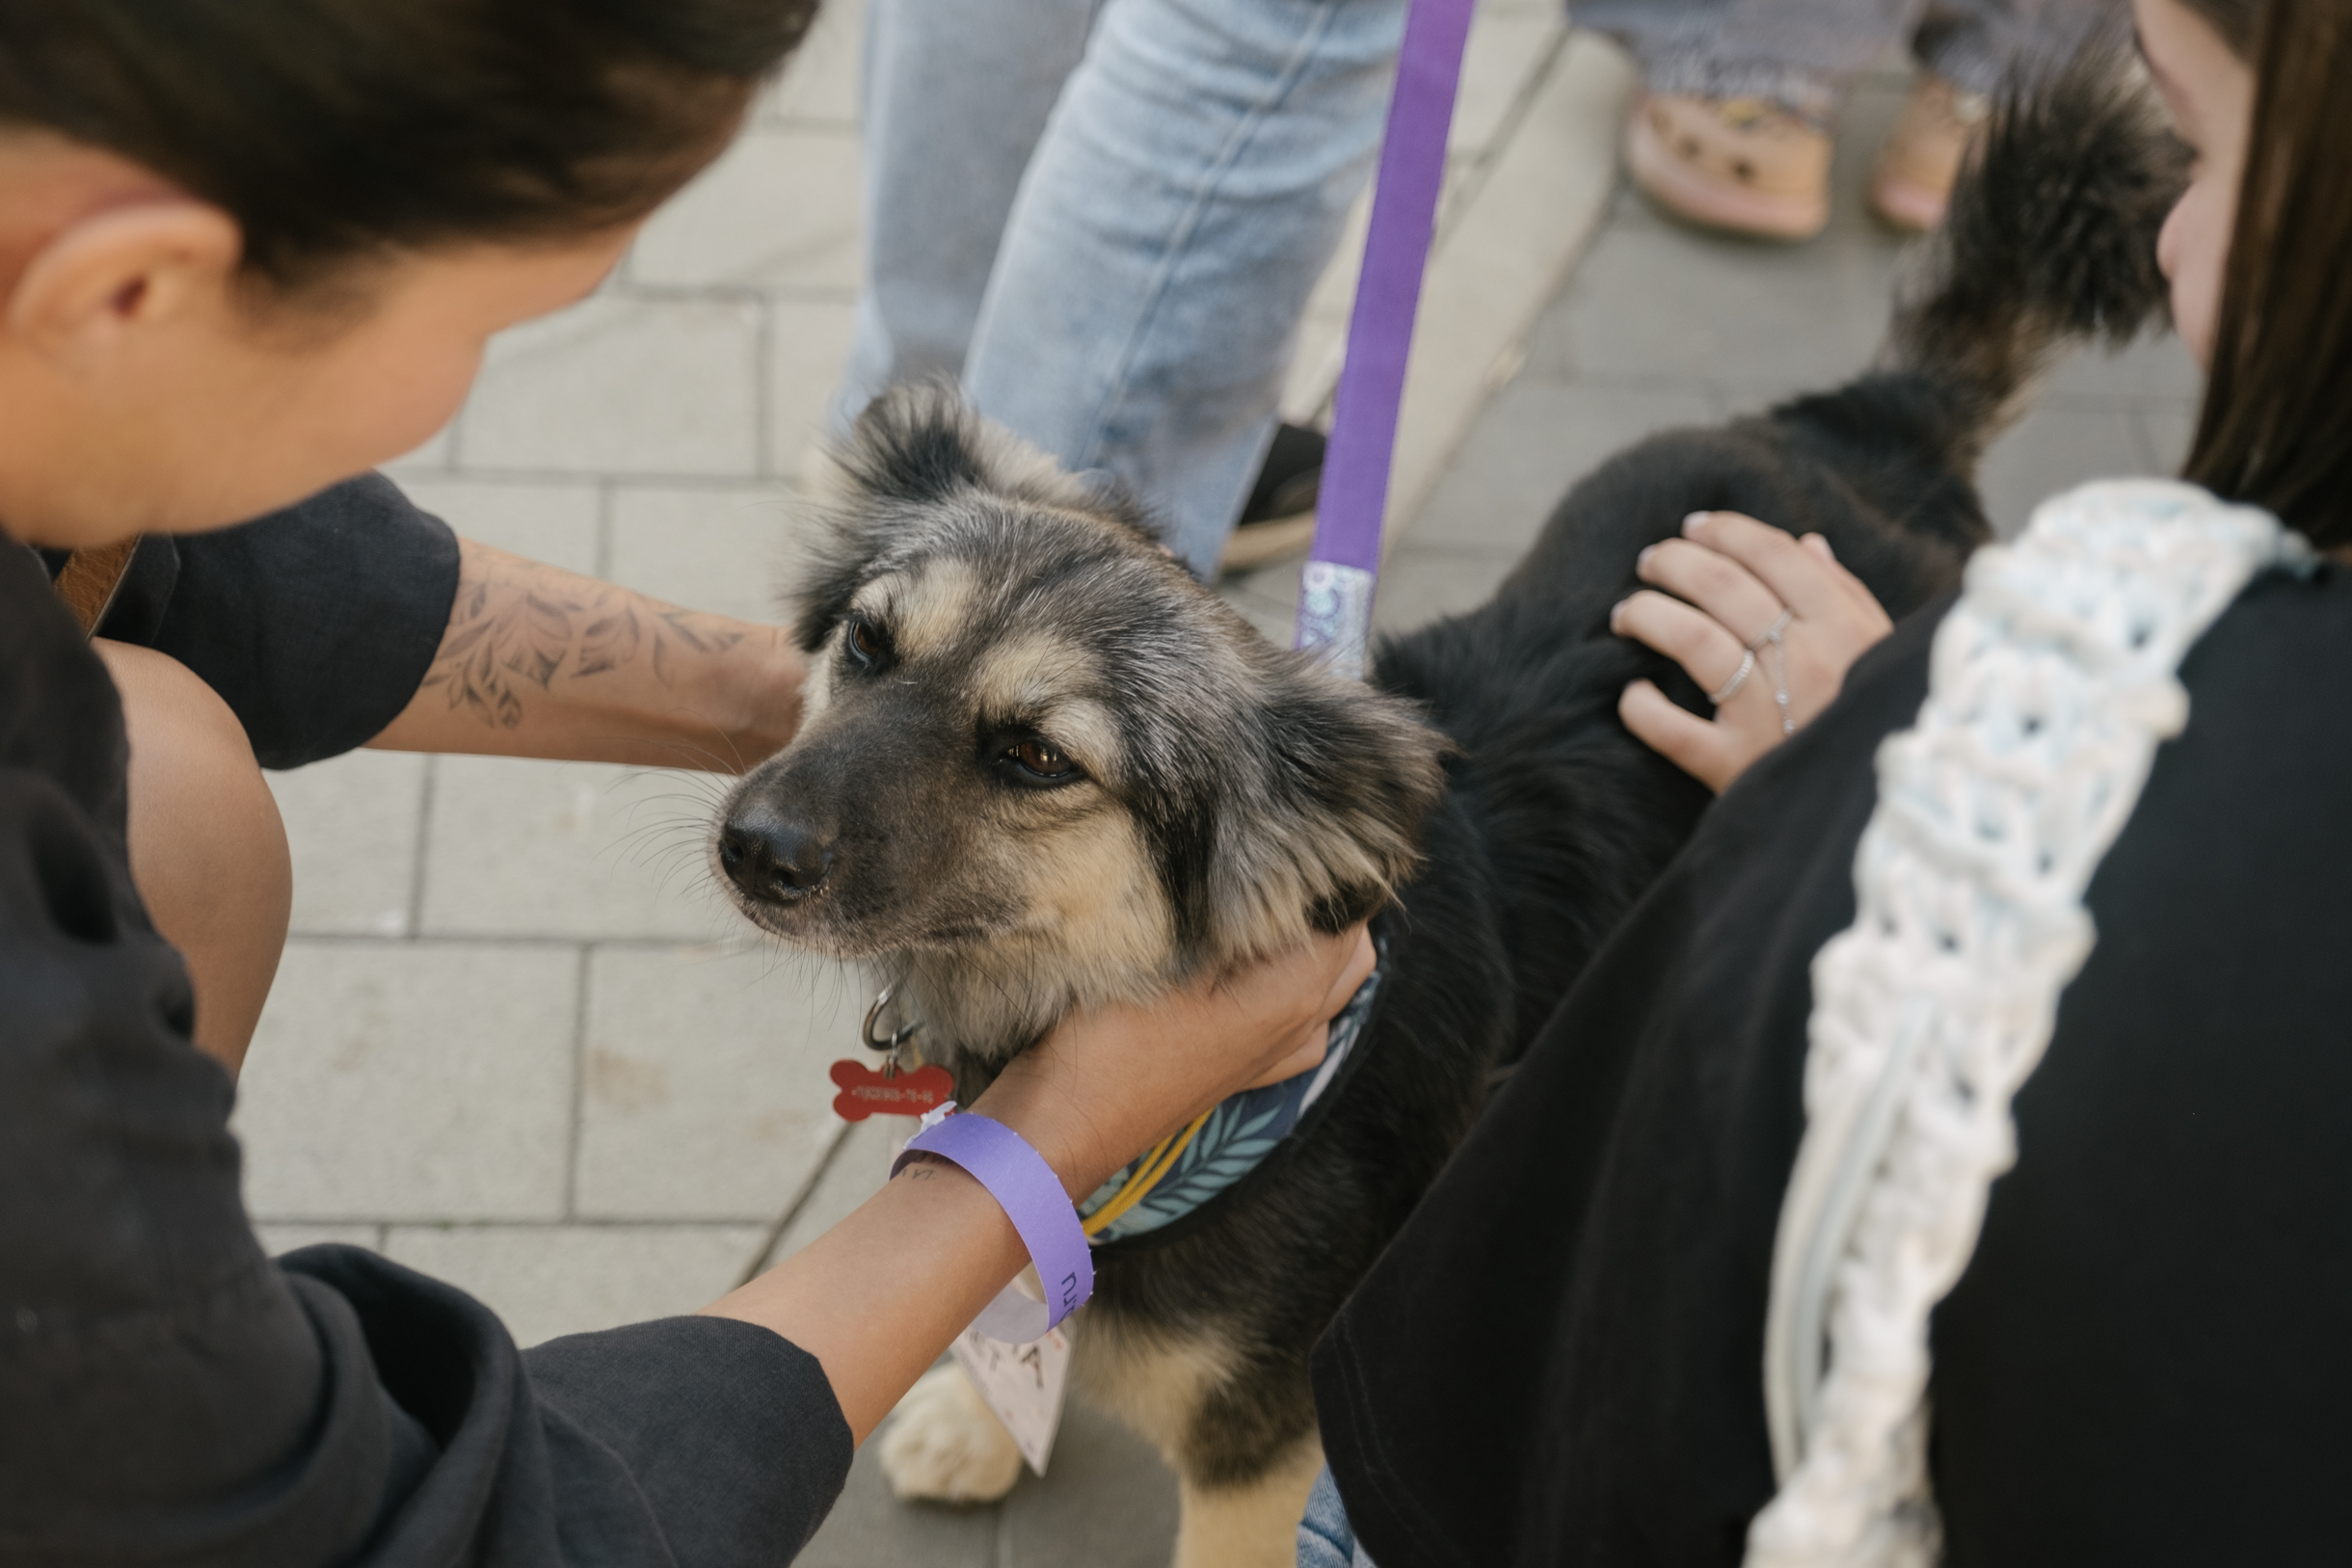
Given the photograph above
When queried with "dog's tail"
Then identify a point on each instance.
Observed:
(2050, 240)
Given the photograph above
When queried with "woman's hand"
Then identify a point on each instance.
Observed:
(877, 1298)
(1109, 1083)
(1767, 624)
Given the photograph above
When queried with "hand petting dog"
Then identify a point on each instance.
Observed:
(1174, 1056)
(1766, 622)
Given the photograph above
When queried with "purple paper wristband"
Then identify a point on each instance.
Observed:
(1031, 1197)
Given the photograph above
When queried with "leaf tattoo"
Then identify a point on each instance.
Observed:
(505, 637)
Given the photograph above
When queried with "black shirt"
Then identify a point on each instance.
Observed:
(2147, 1362)
(170, 1395)
(316, 624)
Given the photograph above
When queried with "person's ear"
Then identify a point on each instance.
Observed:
(122, 269)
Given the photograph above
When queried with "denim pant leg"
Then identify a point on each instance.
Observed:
(1325, 1538)
(1804, 53)
(1798, 53)
(1188, 189)
(956, 94)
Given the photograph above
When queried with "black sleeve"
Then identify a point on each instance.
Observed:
(316, 623)
(169, 1395)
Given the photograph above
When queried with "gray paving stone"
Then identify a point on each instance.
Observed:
(704, 1092)
(871, 1528)
(1421, 583)
(2058, 445)
(622, 384)
(1505, 50)
(434, 455)
(820, 82)
(552, 522)
(1268, 598)
(1656, 299)
(1535, 440)
(808, 344)
(778, 210)
(2158, 366)
(570, 849)
(352, 826)
(2166, 433)
(1502, 256)
(1651, 304)
(854, 1172)
(410, 1081)
(545, 1280)
(1105, 1501)
(720, 547)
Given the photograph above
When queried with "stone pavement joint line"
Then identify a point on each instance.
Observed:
(518, 1042)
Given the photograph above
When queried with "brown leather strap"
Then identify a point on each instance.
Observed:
(90, 578)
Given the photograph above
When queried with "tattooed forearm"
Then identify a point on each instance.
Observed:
(507, 636)
(537, 661)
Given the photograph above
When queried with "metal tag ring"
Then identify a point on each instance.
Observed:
(897, 1037)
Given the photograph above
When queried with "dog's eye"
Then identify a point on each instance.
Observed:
(1041, 760)
(865, 641)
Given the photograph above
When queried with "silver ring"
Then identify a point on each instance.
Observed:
(897, 1038)
(1747, 664)
(1771, 633)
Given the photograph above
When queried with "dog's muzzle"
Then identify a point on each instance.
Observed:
(772, 858)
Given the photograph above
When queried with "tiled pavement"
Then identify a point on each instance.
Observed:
(517, 1043)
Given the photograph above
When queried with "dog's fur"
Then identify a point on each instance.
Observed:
(1228, 797)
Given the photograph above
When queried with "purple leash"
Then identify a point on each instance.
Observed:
(1335, 592)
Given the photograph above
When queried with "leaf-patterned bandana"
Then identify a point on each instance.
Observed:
(1231, 1142)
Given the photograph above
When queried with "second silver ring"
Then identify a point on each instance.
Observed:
(1739, 678)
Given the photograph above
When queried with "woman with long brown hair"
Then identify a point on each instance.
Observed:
(1945, 1161)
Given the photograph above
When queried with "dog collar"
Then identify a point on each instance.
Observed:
(1223, 1144)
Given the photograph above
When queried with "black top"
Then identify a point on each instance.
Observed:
(1560, 1361)
(316, 623)
(170, 1395)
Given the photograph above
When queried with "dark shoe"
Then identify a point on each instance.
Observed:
(1278, 520)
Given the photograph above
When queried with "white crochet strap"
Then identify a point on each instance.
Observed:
(2050, 685)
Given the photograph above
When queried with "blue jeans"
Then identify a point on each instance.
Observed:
(1105, 217)
(1804, 53)
(1325, 1538)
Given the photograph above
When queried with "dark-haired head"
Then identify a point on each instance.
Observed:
(249, 248)
(332, 129)
(2276, 428)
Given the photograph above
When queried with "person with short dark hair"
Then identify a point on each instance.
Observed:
(248, 249)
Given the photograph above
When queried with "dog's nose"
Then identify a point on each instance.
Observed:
(770, 858)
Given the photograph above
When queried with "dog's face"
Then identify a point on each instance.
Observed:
(1038, 759)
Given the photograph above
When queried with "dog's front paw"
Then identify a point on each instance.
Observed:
(943, 1444)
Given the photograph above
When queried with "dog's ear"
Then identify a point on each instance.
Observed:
(922, 444)
(916, 449)
(1350, 774)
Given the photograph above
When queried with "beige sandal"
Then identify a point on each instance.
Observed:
(1914, 179)
(1741, 164)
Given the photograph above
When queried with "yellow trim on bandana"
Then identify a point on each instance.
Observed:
(1156, 1164)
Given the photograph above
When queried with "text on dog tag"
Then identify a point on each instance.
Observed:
(866, 1092)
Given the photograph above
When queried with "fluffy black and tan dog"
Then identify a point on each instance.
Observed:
(1043, 768)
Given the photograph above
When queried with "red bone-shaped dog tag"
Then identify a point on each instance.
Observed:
(866, 1092)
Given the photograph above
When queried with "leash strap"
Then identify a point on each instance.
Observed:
(1335, 592)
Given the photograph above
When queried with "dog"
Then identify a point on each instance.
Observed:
(1043, 768)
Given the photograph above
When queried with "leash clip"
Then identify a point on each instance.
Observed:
(891, 1041)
